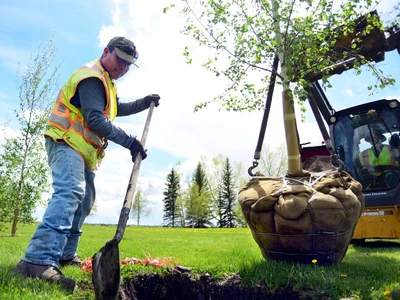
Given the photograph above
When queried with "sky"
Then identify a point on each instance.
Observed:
(177, 135)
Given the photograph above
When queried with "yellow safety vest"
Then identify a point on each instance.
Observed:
(67, 123)
(387, 157)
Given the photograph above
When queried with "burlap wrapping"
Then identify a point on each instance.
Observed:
(303, 219)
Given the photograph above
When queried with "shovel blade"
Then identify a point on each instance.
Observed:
(106, 273)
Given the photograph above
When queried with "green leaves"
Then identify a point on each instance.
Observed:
(165, 9)
(23, 164)
(314, 40)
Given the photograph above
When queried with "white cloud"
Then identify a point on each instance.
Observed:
(349, 92)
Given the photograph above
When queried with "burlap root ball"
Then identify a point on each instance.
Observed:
(308, 220)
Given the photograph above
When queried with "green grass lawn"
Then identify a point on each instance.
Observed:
(368, 272)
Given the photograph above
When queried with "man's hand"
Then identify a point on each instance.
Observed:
(136, 148)
(152, 97)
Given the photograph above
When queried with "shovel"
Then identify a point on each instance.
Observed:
(106, 275)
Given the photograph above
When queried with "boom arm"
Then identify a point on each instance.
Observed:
(373, 48)
(385, 41)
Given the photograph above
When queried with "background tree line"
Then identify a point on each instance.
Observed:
(209, 197)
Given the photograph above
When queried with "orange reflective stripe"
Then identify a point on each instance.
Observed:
(390, 155)
(87, 134)
(59, 120)
(59, 117)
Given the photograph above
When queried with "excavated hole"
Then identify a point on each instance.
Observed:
(182, 286)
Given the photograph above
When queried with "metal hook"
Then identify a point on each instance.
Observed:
(337, 163)
(250, 170)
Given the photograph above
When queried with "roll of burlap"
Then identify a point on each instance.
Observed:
(303, 219)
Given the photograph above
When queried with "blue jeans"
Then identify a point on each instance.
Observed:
(57, 237)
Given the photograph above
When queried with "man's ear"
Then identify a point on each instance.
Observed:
(106, 51)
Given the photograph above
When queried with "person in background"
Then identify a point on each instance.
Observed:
(380, 162)
(78, 130)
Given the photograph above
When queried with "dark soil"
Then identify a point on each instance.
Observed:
(182, 286)
(317, 163)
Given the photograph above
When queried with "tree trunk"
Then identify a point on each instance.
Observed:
(289, 117)
(292, 140)
(15, 221)
(17, 209)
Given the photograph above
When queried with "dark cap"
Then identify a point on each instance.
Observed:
(125, 49)
(380, 135)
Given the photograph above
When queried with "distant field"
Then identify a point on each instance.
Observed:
(368, 272)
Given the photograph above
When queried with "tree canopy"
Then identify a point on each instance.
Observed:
(309, 37)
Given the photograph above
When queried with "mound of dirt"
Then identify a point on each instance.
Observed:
(317, 163)
(182, 286)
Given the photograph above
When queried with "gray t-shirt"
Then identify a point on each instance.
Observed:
(91, 98)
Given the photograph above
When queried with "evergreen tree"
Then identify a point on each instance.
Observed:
(227, 198)
(171, 194)
(199, 176)
(198, 206)
(214, 175)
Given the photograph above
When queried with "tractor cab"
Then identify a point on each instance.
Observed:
(366, 139)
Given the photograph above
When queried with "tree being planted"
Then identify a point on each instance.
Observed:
(305, 216)
(308, 37)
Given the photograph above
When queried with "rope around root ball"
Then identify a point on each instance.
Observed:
(305, 218)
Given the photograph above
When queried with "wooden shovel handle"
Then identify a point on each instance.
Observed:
(124, 216)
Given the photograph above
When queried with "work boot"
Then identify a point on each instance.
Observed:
(49, 273)
(75, 261)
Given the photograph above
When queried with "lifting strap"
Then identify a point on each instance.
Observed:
(267, 109)
(336, 162)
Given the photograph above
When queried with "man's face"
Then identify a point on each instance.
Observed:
(115, 66)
